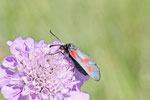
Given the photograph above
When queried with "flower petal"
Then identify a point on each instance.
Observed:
(9, 43)
(45, 94)
(35, 97)
(11, 92)
(20, 98)
(17, 46)
(76, 95)
(5, 75)
(10, 62)
(26, 90)
(5, 72)
(29, 43)
(4, 81)
(23, 97)
(82, 78)
(16, 79)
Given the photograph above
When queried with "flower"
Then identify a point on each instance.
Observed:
(36, 72)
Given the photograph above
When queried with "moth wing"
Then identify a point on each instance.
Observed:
(89, 66)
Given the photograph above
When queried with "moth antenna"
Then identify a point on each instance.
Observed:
(54, 35)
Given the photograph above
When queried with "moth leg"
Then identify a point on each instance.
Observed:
(57, 53)
(54, 53)
(54, 45)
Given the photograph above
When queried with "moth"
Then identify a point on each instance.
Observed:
(82, 62)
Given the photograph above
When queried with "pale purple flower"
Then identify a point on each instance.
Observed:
(32, 72)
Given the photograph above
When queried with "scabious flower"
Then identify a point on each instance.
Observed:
(36, 72)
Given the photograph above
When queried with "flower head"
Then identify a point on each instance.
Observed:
(35, 71)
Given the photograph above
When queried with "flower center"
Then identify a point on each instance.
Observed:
(51, 73)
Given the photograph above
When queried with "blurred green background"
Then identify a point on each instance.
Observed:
(114, 33)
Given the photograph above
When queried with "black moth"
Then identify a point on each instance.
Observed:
(82, 62)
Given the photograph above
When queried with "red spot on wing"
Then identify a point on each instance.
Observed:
(81, 60)
(89, 68)
(75, 52)
(72, 54)
(86, 60)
